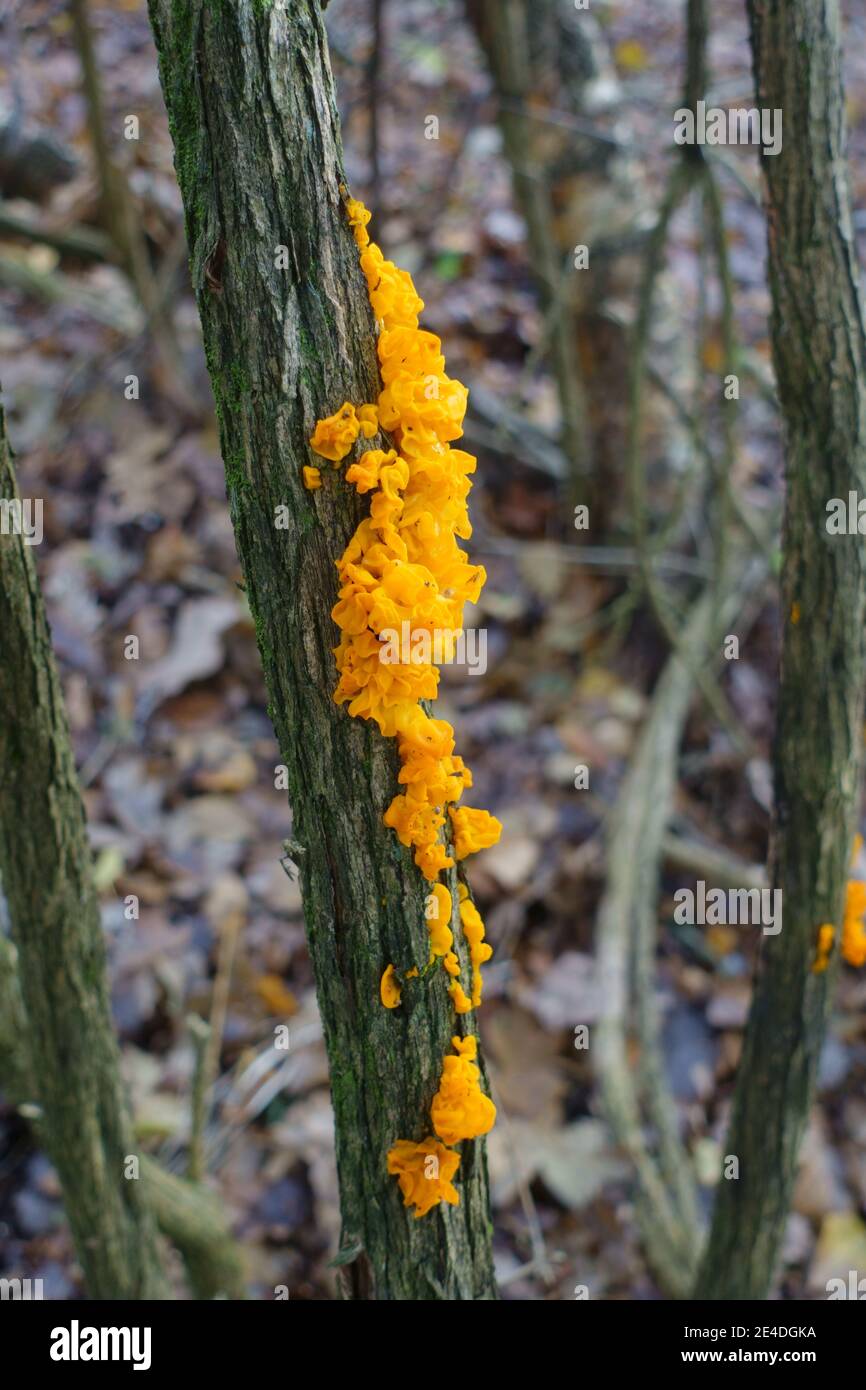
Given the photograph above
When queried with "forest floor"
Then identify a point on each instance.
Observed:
(176, 752)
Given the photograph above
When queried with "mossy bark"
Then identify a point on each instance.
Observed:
(46, 878)
(251, 109)
(820, 362)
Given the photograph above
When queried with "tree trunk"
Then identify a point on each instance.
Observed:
(45, 873)
(251, 109)
(190, 1215)
(574, 184)
(820, 361)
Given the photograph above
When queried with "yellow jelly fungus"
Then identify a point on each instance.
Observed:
(438, 914)
(853, 925)
(853, 943)
(826, 935)
(460, 1109)
(459, 998)
(312, 477)
(389, 989)
(403, 570)
(424, 1171)
(334, 437)
(479, 949)
(452, 964)
(404, 582)
(413, 973)
(473, 830)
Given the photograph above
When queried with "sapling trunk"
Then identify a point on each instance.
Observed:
(190, 1215)
(820, 362)
(45, 871)
(289, 336)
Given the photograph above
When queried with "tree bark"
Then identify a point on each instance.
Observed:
(251, 109)
(45, 873)
(820, 363)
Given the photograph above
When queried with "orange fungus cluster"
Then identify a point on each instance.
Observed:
(404, 566)
(853, 925)
(404, 572)
(424, 1171)
(460, 1110)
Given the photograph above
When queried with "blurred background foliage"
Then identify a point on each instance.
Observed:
(538, 151)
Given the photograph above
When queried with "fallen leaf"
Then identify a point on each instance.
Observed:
(729, 1006)
(566, 994)
(631, 55)
(574, 1162)
(227, 898)
(820, 1188)
(108, 867)
(841, 1248)
(525, 1065)
(276, 996)
(196, 649)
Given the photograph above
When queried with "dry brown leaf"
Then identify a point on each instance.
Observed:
(196, 649)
